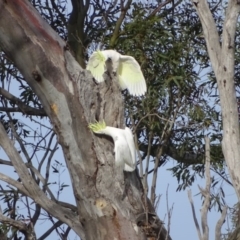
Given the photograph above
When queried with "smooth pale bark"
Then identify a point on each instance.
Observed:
(222, 60)
(110, 204)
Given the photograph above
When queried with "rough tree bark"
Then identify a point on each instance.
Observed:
(221, 51)
(109, 205)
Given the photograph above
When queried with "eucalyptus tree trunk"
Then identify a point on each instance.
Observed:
(109, 204)
(221, 52)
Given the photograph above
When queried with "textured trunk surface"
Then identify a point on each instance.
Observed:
(110, 204)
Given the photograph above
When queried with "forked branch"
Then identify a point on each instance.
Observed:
(204, 234)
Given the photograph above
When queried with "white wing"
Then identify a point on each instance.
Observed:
(124, 147)
(97, 66)
(130, 76)
(130, 164)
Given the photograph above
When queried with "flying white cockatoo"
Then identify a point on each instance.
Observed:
(124, 147)
(127, 70)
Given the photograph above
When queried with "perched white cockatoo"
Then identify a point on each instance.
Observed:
(127, 69)
(124, 147)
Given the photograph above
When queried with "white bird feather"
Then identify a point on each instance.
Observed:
(124, 147)
(128, 70)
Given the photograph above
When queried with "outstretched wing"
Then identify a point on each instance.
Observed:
(97, 66)
(130, 164)
(130, 76)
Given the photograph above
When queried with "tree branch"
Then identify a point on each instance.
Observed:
(17, 224)
(49, 231)
(222, 60)
(220, 223)
(194, 214)
(115, 34)
(210, 31)
(26, 229)
(22, 107)
(76, 35)
(14, 183)
(20, 186)
(161, 5)
(206, 191)
(229, 30)
(64, 204)
(164, 137)
(33, 190)
(5, 162)
(56, 8)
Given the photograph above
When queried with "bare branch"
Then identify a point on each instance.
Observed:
(65, 235)
(30, 112)
(154, 114)
(47, 151)
(150, 137)
(5, 162)
(67, 205)
(56, 8)
(229, 31)
(33, 190)
(194, 214)
(22, 107)
(49, 231)
(167, 128)
(169, 213)
(119, 23)
(223, 61)
(216, 6)
(27, 230)
(17, 224)
(76, 34)
(19, 140)
(210, 31)
(206, 192)
(220, 223)
(14, 183)
(38, 174)
(154, 179)
(20, 186)
(160, 6)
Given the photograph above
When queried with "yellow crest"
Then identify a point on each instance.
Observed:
(95, 127)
